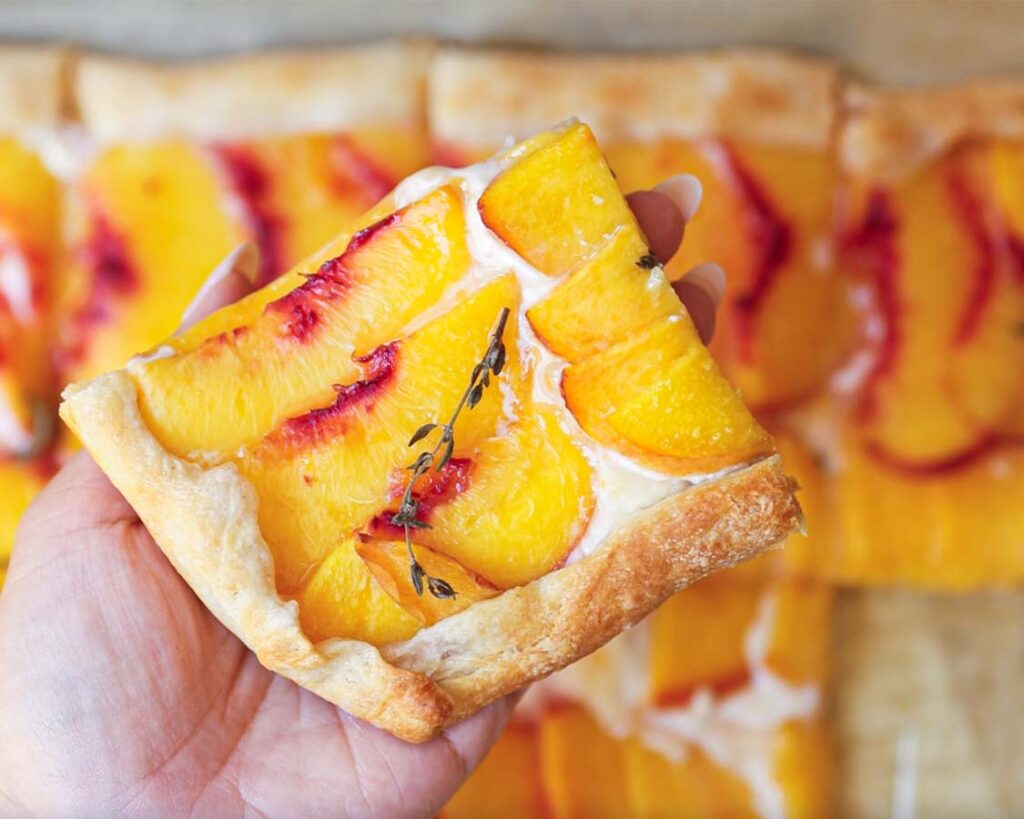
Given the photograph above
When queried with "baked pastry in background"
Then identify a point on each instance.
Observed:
(933, 233)
(733, 726)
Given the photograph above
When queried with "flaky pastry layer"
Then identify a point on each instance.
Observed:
(479, 98)
(32, 87)
(265, 95)
(205, 521)
(888, 135)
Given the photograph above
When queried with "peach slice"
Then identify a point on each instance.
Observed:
(527, 502)
(558, 204)
(697, 640)
(693, 787)
(801, 636)
(296, 191)
(987, 345)
(934, 266)
(583, 768)
(388, 560)
(573, 320)
(30, 229)
(342, 598)
(1006, 164)
(150, 229)
(786, 322)
(766, 218)
(969, 522)
(659, 397)
(175, 209)
(981, 538)
(285, 361)
(713, 622)
(872, 505)
(802, 767)
(303, 469)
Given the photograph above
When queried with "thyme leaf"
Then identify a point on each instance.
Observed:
(422, 433)
(648, 261)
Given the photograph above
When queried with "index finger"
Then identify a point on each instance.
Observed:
(664, 211)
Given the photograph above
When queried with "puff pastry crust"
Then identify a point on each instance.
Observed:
(32, 87)
(264, 95)
(205, 520)
(888, 135)
(479, 98)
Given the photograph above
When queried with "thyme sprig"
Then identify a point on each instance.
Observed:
(437, 458)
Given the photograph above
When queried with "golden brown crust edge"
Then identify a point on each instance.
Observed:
(888, 135)
(32, 87)
(479, 98)
(268, 94)
(496, 646)
(205, 521)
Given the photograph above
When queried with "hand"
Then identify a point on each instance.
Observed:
(120, 693)
(663, 214)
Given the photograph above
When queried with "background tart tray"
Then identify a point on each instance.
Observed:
(912, 668)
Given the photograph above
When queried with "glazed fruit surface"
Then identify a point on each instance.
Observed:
(314, 386)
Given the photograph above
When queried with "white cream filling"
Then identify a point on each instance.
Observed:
(737, 731)
(16, 289)
(851, 377)
(66, 151)
(15, 437)
(16, 280)
(622, 489)
(141, 359)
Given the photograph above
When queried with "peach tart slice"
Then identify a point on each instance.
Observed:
(374, 473)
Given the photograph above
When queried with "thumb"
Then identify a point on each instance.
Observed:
(232, 279)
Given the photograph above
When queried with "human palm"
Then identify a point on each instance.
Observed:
(120, 693)
(120, 686)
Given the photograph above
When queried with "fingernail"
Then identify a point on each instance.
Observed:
(685, 190)
(710, 278)
(243, 261)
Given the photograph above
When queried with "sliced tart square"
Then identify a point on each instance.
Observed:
(712, 706)
(561, 762)
(374, 470)
(31, 107)
(182, 162)
(933, 398)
